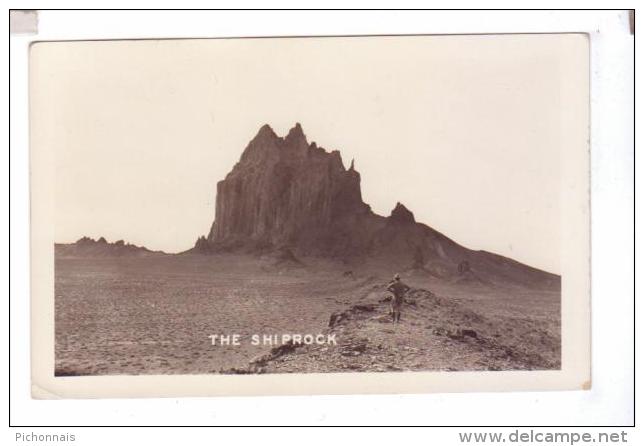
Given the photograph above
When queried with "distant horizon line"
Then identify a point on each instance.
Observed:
(126, 243)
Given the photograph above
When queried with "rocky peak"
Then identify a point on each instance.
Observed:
(88, 247)
(295, 143)
(263, 146)
(266, 137)
(400, 214)
(283, 190)
(266, 131)
(296, 133)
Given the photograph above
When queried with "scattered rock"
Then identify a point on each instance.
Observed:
(341, 316)
(336, 318)
(258, 364)
(356, 348)
(440, 331)
(463, 267)
(237, 371)
(382, 318)
(470, 333)
(363, 307)
(285, 257)
(461, 334)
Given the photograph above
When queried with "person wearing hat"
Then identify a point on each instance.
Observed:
(398, 289)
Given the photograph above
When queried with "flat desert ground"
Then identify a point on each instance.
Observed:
(154, 314)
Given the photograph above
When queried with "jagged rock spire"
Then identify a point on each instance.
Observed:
(401, 214)
(284, 189)
(266, 130)
(296, 136)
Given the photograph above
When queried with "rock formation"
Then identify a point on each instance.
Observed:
(287, 192)
(88, 247)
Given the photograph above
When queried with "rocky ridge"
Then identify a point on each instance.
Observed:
(437, 333)
(89, 247)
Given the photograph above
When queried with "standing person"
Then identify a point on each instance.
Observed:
(398, 289)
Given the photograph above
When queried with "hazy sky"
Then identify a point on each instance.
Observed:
(464, 130)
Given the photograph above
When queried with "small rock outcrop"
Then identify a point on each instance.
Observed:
(400, 214)
(463, 267)
(88, 247)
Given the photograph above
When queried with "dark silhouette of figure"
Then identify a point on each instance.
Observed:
(398, 289)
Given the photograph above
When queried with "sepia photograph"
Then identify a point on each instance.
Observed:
(405, 207)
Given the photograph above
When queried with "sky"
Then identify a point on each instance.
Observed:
(465, 131)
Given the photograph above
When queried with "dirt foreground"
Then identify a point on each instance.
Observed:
(197, 314)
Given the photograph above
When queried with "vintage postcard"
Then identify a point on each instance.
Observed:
(377, 214)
